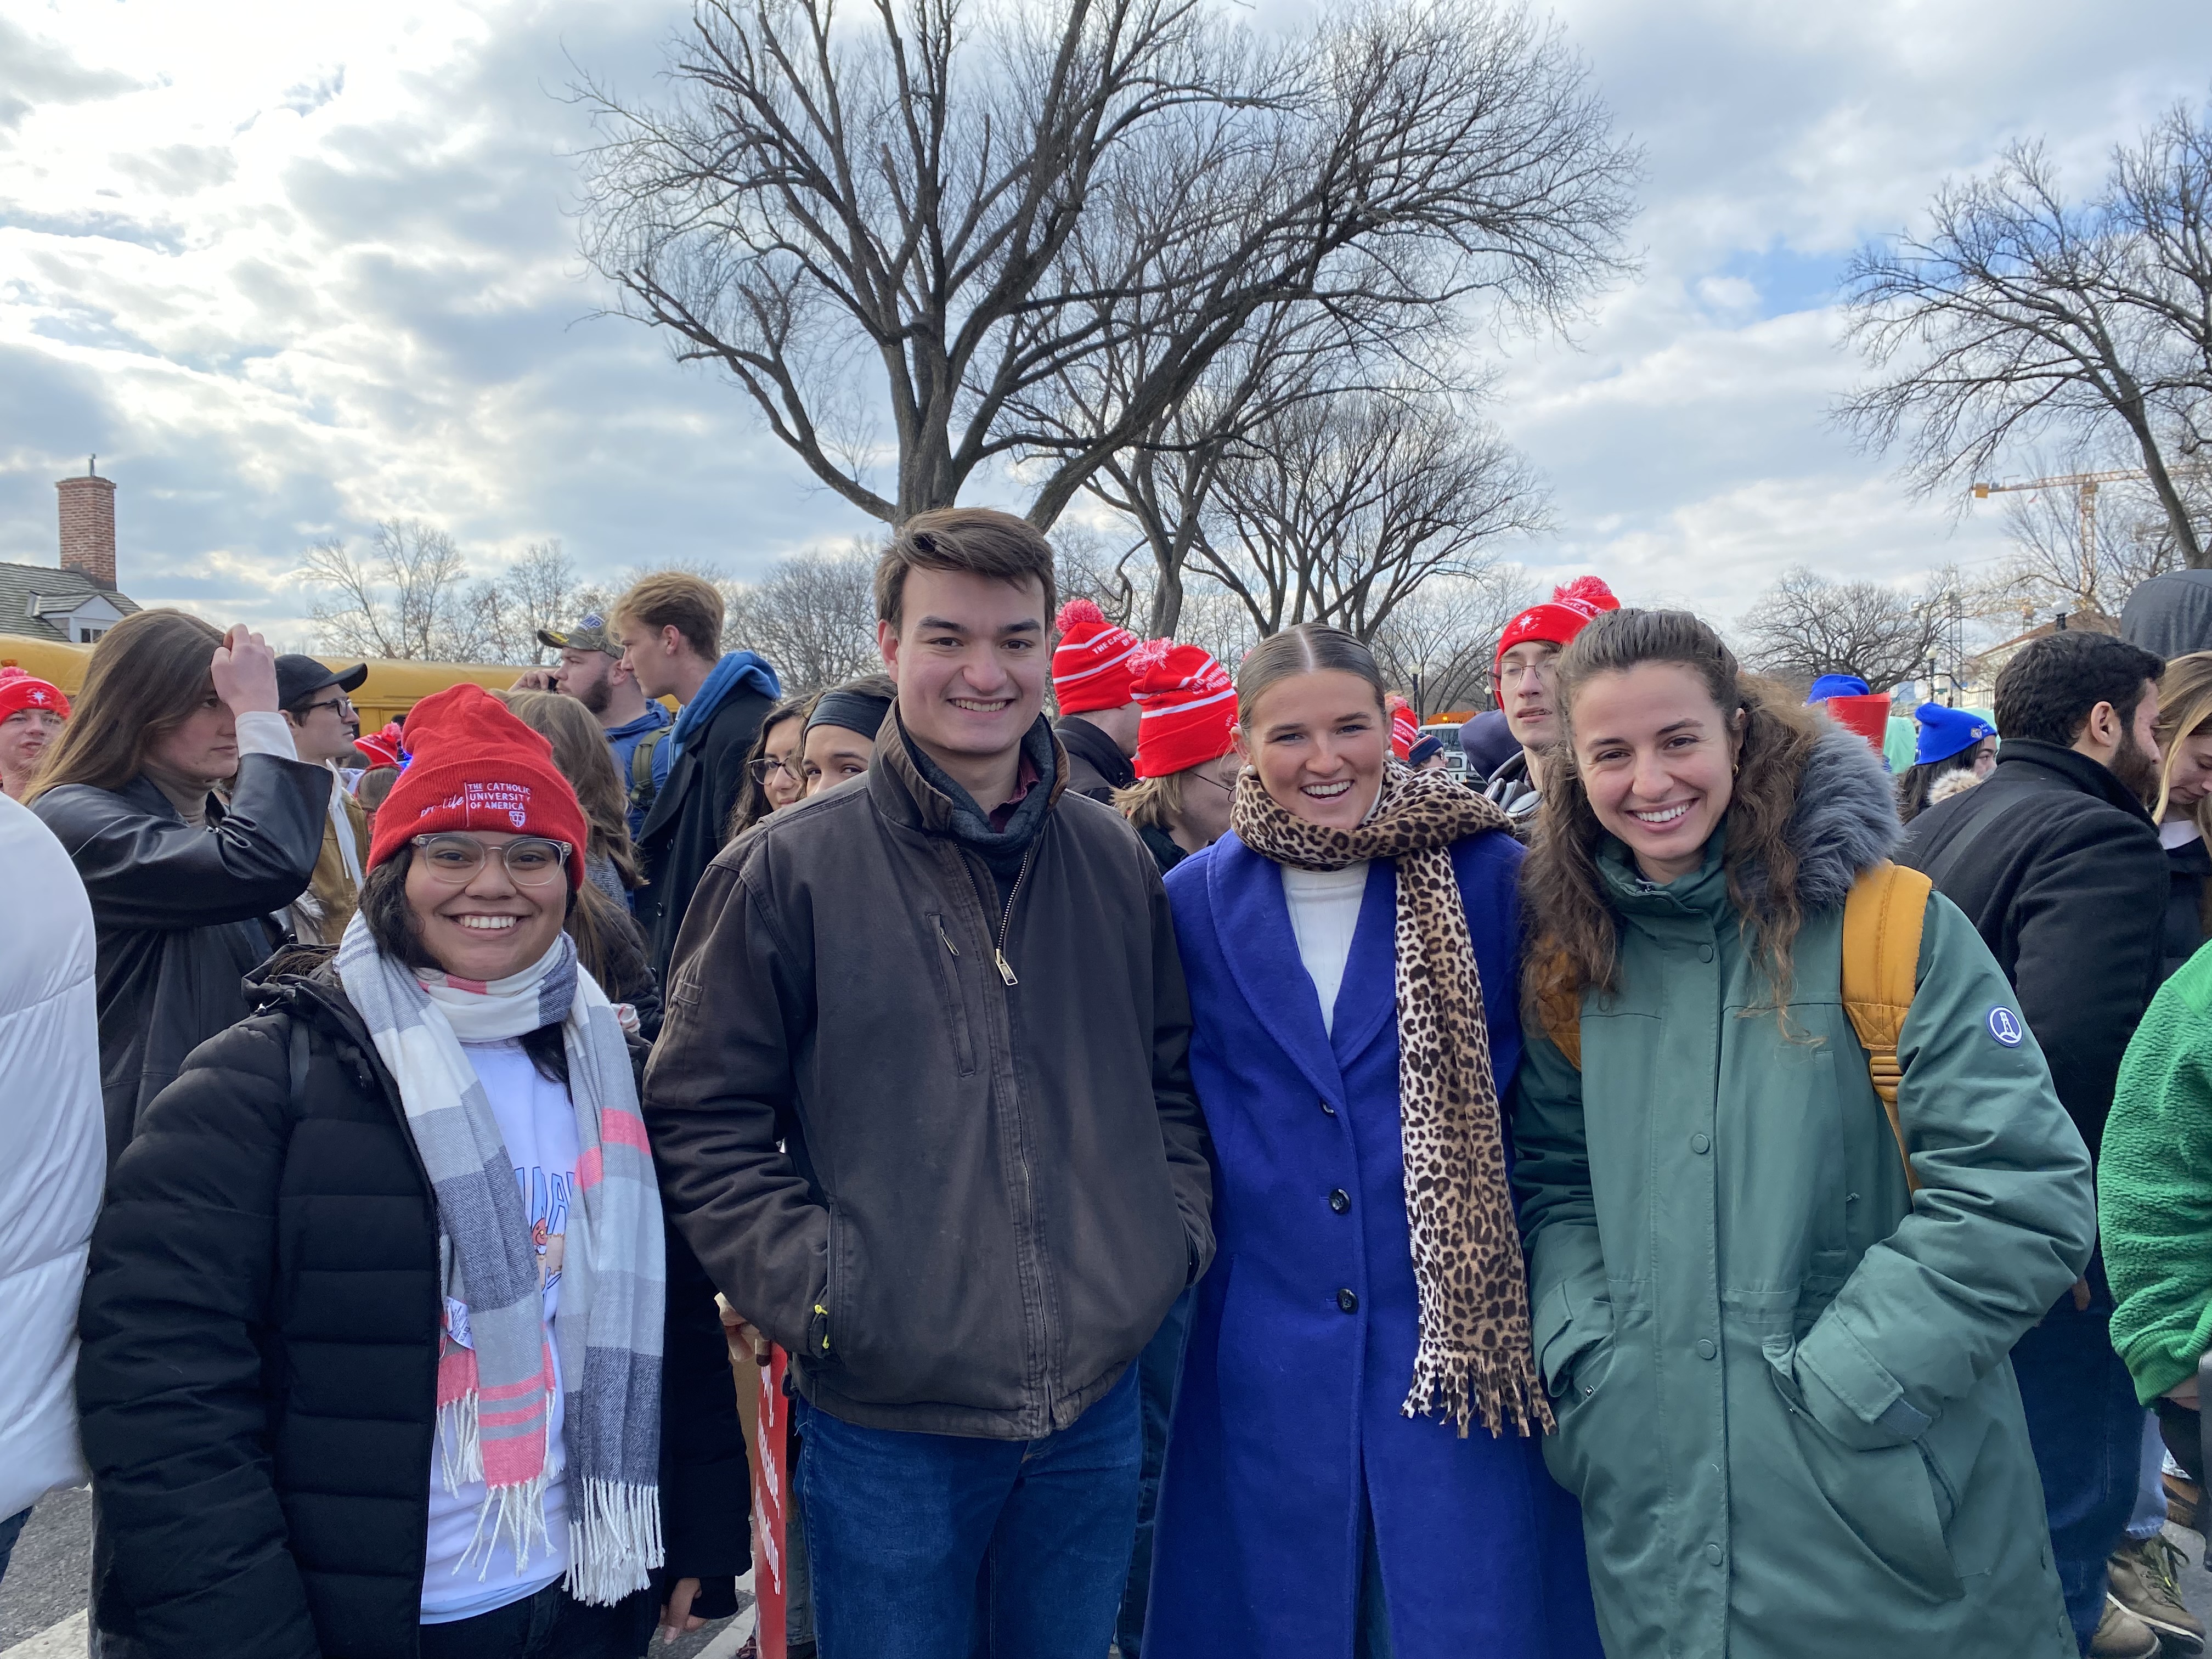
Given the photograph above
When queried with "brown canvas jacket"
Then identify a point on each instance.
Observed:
(993, 1191)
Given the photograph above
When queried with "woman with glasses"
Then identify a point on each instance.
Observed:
(772, 780)
(1187, 761)
(385, 1349)
(189, 888)
(841, 731)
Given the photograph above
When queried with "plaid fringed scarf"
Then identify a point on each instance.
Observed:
(1475, 1357)
(495, 1397)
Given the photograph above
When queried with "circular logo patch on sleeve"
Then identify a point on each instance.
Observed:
(2005, 1026)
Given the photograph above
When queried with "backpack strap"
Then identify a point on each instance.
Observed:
(641, 788)
(1881, 965)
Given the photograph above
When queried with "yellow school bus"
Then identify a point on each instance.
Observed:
(391, 690)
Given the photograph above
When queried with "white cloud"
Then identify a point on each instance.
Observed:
(289, 269)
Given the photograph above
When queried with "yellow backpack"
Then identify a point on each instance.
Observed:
(1882, 960)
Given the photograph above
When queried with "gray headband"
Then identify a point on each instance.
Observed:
(856, 711)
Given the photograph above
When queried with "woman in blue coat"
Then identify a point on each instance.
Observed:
(1353, 1469)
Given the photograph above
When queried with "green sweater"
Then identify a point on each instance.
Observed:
(2155, 1187)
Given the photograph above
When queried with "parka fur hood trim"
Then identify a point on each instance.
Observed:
(1845, 821)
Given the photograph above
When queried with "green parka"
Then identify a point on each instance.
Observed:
(1781, 1380)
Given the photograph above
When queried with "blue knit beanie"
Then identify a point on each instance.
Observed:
(1947, 731)
(1837, 685)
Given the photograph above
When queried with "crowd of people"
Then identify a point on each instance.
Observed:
(1227, 1181)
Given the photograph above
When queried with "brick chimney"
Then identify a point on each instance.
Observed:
(87, 506)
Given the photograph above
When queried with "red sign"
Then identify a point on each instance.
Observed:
(771, 1498)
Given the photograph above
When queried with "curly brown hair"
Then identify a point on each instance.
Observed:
(1575, 932)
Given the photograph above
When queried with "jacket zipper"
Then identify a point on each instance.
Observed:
(1006, 917)
(945, 936)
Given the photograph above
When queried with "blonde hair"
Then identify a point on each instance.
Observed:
(671, 598)
(1152, 803)
(2184, 709)
(579, 749)
(1305, 649)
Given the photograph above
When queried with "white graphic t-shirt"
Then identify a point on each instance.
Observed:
(538, 1124)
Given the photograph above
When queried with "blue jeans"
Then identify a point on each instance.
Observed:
(2088, 1431)
(944, 1546)
(1159, 1368)
(11, 1530)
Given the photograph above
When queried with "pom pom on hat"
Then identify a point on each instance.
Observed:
(1405, 725)
(472, 765)
(1091, 664)
(1571, 609)
(21, 689)
(1947, 731)
(1188, 704)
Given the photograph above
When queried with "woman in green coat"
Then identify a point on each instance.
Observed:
(1779, 1375)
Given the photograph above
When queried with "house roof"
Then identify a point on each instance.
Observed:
(36, 599)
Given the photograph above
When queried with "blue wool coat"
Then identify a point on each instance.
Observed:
(1290, 1402)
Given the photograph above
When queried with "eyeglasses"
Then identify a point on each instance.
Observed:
(767, 766)
(1506, 673)
(530, 861)
(343, 705)
(1228, 788)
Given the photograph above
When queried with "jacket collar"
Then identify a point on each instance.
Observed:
(2029, 760)
(905, 795)
(1086, 742)
(1252, 919)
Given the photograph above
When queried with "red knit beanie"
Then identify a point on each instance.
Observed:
(20, 690)
(1091, 664)
(472, 765)
(1405, 726)
(1568, 611)
(1189, 705)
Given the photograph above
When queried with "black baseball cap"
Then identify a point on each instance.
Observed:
(298, 678)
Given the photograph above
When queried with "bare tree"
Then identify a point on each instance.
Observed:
(1437, 646)
(2019, 313)
(539, 590)
(402, 599)
(1338, 509)
(814, 616)
(930, 214)
(1806, 625)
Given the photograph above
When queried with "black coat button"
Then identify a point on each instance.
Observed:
(1347, 1301)
(1339, 1201)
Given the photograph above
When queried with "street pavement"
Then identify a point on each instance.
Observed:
(43, 1596)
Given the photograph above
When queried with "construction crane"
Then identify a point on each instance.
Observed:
(2087, 483)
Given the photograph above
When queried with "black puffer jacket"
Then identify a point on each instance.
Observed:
(183, 915)
(258, 1374)
(2059, 869)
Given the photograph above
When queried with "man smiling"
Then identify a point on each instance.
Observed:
(952, 994)
(1525, 678)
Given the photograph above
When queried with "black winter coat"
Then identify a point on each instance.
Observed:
(2065, 879)
(684, 830)
(1096, 765)
(183, 915)
(258, 1374)
(2188, 867)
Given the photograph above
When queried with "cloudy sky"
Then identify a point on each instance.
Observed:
(291, 268)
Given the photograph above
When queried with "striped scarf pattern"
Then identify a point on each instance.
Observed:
(494, 1396)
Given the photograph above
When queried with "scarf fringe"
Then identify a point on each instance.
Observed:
(614, 1539)
(461, 1452)
(1450, 1390)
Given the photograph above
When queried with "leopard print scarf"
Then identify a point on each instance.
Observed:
(1475, 1357)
